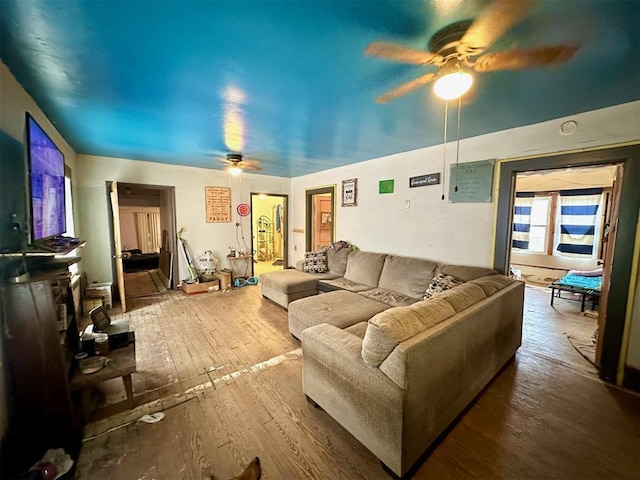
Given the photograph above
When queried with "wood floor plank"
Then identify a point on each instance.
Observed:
(227, 374)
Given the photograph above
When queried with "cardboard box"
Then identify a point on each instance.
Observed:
(95, 290)
(225, 280)
(89, 304)
(202, 287)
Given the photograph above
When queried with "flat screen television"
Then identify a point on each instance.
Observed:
(45, 174)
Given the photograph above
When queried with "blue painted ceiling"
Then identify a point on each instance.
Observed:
(286, 82)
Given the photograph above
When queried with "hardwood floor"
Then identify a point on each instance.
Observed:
(226, 372)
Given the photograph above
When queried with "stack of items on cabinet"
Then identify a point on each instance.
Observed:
(97, 295)
(117, 331)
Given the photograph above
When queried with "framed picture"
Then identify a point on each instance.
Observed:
(350, 192)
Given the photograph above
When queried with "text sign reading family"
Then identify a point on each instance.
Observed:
(423, 180)
(474, 181)
(218, 204)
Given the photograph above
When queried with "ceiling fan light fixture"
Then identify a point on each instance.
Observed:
(235, 171)
(453, 85)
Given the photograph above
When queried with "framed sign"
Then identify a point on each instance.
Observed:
(218, 204)
(424, 180)
(385, 186)
(350, 192)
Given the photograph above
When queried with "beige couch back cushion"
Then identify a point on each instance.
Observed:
(337, 261)
(395, 325)
(410, 276)
(465, 273)
(364, 267)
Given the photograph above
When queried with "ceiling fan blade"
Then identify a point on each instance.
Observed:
(492, 23)
(250, 164)
(399, 53)
(406, 87)
(517, 59)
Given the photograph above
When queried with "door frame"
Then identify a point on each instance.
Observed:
(629, 204)
(285, 226)
(308, 213)
(173, 241)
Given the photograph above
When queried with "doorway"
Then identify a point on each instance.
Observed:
(320, 217)
(144, 239)
(620, 237)
(560, 227)
(269, 232)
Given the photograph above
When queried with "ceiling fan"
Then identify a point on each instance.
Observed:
(236, 163)
(454, 47)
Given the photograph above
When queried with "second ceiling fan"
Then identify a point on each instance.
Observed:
(236, 163)
(454, 47)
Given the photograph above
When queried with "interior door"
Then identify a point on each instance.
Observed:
(323, 220)
(319, 217)
(117, 244)
(609, 241)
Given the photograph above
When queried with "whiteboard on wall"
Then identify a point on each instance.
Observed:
(474, 182)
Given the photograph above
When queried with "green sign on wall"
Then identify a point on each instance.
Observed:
(385, 186)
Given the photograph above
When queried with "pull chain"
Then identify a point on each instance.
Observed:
(444, 144)
(458, 144)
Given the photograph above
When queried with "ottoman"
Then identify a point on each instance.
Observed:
(285, 286)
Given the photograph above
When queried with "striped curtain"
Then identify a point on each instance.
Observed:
(578, 217)
(522, 220)
(148, 231)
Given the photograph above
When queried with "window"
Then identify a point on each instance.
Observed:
(68, 198)
(539, 227)
(558, 223)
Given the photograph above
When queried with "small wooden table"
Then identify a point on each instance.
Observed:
(248, 267)
(123, 364)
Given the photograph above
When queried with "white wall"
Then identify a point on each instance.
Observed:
(431, 227)
(189, 183)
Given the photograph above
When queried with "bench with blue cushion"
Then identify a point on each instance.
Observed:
(579, 284)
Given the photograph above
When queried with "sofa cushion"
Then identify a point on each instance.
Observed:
(492, 283)
(358, 329)
(440, 283)
(341, 309)
(387, 329)
(464, 272)
(337, 261)
(342, 283)
(462, 296)
(364, 267)
(410, 276)
(315, 262)
(391, 298)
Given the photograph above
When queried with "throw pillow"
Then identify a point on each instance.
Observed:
(315, 262)
(440, 283)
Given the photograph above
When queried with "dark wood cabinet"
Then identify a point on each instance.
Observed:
(38, 355)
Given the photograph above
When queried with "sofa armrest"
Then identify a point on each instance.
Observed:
(300, 265)
(339, 352)
(360, 398)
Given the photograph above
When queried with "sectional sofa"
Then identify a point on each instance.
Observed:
(393, 367)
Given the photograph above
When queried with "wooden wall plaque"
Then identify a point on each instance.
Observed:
(218, 204)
